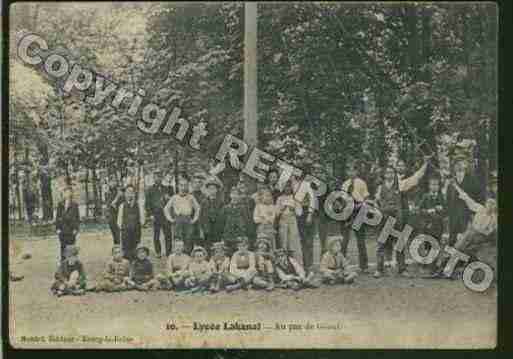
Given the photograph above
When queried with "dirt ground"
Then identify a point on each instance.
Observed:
(389, 312)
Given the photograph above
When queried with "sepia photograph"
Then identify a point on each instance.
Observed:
(243, 175)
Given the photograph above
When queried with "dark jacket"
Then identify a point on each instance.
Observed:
(141, 271)
(112, 208)
(212, 218)
(432, 223)
(30, 198)
(156, 199)
(459, 213)
(68, 220)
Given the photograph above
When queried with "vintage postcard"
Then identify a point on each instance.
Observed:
(252, 175)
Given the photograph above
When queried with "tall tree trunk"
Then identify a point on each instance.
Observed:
(18, 195)
(86, 183)
(413, 39)
(97, 209)
(138, 180)
(482, 163)
(68, 175)
(467, 48)
(426, 42)
(45, 181)
(490, 35)
(176, 168)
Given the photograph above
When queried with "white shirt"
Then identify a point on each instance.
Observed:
(360, 190)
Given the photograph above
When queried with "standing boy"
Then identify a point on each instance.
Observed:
(198, 191)
(30, 198)
(357, 189)
(114, 198)
(307, 221)
(183, 210)
(131, 218)
(67, 220)
(432, 209)
(156, 198)
(390, 200)
(459, 213)
(238, 218)
(212, 218)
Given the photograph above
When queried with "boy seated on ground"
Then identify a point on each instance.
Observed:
(220, 268)
(198, 270)
(70, 277)
(177, 265)
(334, 266)
(141, 272)
(263, 264)
(116, 273)
(290, 274)
(242, 266)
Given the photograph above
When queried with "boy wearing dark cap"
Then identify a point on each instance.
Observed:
(70, 277)
(141, 272)
(212, 214)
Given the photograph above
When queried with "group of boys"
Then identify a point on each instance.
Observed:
(244, 269)
(196, 218)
